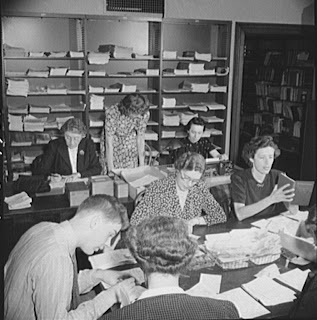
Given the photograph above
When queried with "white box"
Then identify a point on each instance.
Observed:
(139, 178)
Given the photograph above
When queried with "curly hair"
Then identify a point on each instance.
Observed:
(74, 125)
(190, 161)
(161, 244)
(197, 121)
(257, 143)
(133, 103)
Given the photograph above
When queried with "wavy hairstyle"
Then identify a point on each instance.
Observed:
(133, 103)
(197, 121)
(190, 161)
(74, 125)
(257, 143)
(161, 244)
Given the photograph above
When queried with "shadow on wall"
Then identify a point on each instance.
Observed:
(308, 14)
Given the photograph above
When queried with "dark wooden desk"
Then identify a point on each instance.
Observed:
(235, 278)
(53, 208)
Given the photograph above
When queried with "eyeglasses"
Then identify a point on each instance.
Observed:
(189, 179)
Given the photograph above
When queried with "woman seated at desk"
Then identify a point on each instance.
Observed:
(72, 156)
(122, 140)
(194, 142)
(254, 190)
(182, 195)
(162, 247)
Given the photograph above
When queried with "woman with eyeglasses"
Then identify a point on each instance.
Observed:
(183, 195)
(72, 156)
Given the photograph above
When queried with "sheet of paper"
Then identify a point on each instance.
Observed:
(299, 216)
(201, 290)
(248, 308)
(145, 180)
(213, 281)
(111, 258)
(268, 291)
(294, 278)
(270, 271)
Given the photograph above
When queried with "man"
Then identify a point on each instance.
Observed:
(40, 278)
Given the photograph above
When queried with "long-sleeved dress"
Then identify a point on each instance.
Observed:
(161, 198)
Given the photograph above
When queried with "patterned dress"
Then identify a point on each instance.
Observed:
(124, 131)
(161, 198)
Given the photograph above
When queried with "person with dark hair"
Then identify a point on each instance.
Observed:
(195, 142)
(122, 140)
(163, 249)
(72, 156)
(183, 195)
(254, 191)
(41, 280)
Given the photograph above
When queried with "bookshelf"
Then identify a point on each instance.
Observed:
(78, 64)
(277, 85)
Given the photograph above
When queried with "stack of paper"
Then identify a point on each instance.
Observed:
(168, 102)
(96, 102)
(15, 122)
(123, 87)
(95, 121)
(216, 88)
(60, 107)
(118, 52)
(18, 201)
(21, 109)
(57, 54)
(147, 72)
(10, 51)
(22, 138)
(75, 73)
(39, 109)
(98, 58)
(195, 87)
(198, 56)
(268, 291)
(168, 133)
(212, 119)
(76, 54)
(32, 123)
(186, 116)
(169, 54)
(61, 89)
(42, 138)
(37, 54)
(213, 105)
(58, 71)
(199, 106)
(192, 67)
(37, 73)
(214, 132)
(170, 118)
(150, 135)
(18, 87)
(92, 89)
(97, 73)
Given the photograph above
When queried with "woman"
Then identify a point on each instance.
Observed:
(72, 156)
(122, 140)
(254, 190)
(182, 195)
(163, 248)
(194, 142)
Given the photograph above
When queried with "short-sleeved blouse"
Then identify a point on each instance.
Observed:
(245, 189)
(124, 130)
(161, 198)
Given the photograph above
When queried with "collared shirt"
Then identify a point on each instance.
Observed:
(161, 198)
(160, 291)
(73, 158)
(38, 277)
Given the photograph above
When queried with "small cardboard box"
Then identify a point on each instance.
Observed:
(139, 178)
(77, 192)
(102, 185)
(121, 188)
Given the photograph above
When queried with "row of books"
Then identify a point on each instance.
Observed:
(291, 57)
(298, 77)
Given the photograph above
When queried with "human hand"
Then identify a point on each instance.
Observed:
(55, 177)
(283, 194)
(125, 291)
(72, 177)
(112, 277)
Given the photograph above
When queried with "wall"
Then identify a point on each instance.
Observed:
(268, 11)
